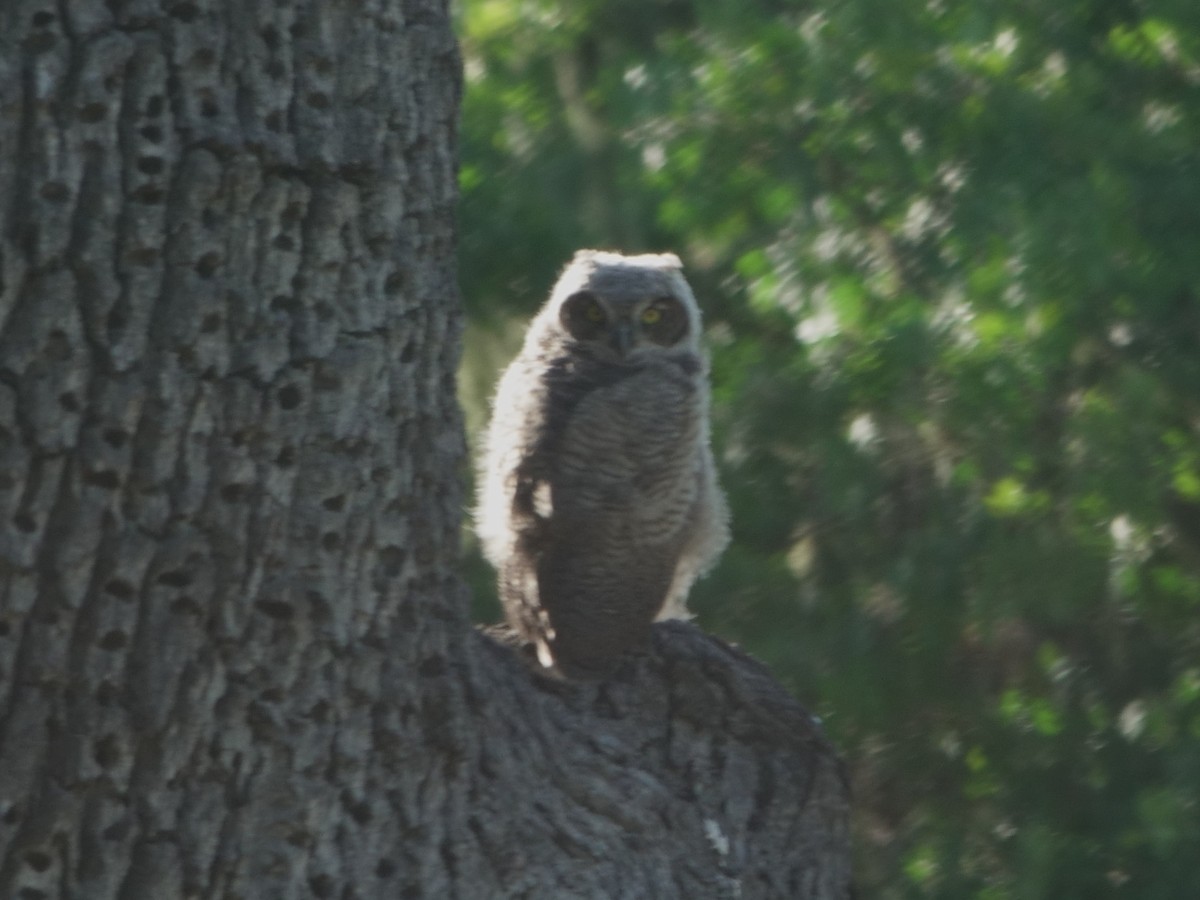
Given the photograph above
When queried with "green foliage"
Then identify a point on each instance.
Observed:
(949, 259)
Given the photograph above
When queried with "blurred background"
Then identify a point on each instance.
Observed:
(949, 257)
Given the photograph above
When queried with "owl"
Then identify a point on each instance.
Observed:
(598, 497)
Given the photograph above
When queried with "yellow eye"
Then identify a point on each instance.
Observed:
(651, 316)
(594, 313)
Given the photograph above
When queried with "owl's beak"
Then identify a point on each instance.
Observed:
(622, 336)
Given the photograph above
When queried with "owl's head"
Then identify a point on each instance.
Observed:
(621, 307)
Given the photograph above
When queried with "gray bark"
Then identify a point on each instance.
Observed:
(234, 653)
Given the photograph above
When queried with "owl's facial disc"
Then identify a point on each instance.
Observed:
(660, 321)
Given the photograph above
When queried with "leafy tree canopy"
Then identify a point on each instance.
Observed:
(950, 255)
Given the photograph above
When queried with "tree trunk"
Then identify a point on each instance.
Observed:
(235, 660)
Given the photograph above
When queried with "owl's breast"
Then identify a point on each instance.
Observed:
(630, 450)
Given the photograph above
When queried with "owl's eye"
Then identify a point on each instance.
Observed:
(665, 321)
(584, 316)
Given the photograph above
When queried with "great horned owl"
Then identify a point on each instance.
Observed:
(598, 499)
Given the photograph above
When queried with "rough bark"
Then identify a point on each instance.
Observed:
(234, 653)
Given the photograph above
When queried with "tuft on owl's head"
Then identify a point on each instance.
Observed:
(623, 307)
